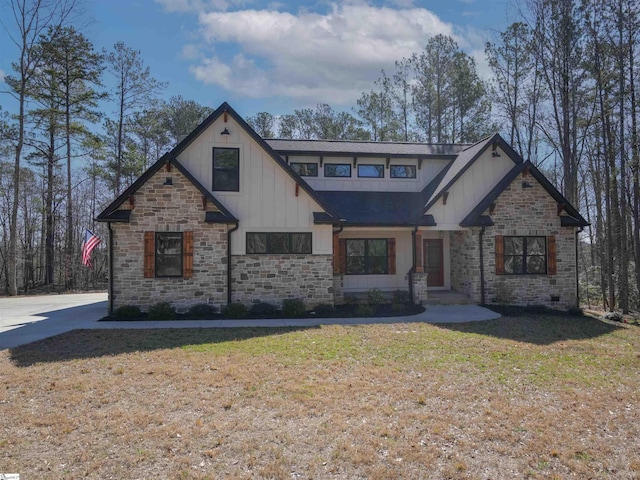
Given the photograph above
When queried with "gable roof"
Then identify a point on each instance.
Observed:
(477, 219)
(171, 157)
(349, 148)
(226, 108)
(112, 214)
(465, 159)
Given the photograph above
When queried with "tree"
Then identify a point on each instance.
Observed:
(32, 19)
(262, 123)
(134, 88)
(179, 117)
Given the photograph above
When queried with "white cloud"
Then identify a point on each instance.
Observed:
(329, 57)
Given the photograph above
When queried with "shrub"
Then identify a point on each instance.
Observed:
(161, 311)
(400, 296)
(234, 310)
(365, 311)
(202, 311)
(293, 307)
(375, 297)
(351, 300)
(264, 310)
(398, 307)
(128, 312)
(324, 310)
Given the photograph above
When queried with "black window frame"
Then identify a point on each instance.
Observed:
(413, 167)
(379, 169)
(306, 164)
(525, 255)
(236, 185)
(337, 165)
(269, 243)
(158, 262)
(367, 258)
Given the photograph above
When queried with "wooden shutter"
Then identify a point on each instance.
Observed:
(499, 255)
(187, 254)
(552, 267)
(343, 256)
(391, 252)
(149, 254)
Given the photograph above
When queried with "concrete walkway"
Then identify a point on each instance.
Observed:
(27, 319)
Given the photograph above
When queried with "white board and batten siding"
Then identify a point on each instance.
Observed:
(427, 172)
(470, 189)
(267, 200)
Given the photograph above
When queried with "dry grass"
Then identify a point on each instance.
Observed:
(546, 397)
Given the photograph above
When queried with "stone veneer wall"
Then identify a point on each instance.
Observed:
(169, 208)
(419, 286)
(465, 262)
(272, 278)
(530, 212)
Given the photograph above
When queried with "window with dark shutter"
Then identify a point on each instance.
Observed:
(520, 255)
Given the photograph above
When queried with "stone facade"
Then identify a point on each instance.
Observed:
(338, 290)
(272, 278)
(419, 287)
(518, 211)
(465, 262)
(162, 207)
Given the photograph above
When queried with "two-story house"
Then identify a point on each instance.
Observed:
(227, 216)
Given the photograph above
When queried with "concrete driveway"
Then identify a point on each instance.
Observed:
(27, 319)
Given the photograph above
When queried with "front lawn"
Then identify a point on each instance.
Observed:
(518, 397)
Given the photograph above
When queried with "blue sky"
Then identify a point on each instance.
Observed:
(277, 56)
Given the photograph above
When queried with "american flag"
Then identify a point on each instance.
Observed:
(91, 241)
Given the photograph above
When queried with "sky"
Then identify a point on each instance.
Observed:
(277, 56)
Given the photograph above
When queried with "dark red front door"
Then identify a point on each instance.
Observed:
(434, 262)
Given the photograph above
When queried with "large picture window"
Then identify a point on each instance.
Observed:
(226, 169)
(525, 255)
(368, 256)
(168, 254)
(278, 243)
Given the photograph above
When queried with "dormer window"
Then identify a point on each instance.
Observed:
(371, 171)
(337, 170)
(403, 171)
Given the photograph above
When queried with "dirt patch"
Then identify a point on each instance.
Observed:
(532, 397)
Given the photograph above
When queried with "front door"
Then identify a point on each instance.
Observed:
(434, 262)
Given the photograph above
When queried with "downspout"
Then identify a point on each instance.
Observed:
(229, 232)
(110, 307)
(413, 262)
(480, 237)
(577, 273)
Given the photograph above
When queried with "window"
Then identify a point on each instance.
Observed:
(371, 171)
(226, 169)
(367, 256)
(403, 171)
(168, 254)
(525, 255)
(337, 170)
(279, 243)
(305, 169)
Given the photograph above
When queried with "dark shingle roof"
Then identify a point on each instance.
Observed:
(329, 148)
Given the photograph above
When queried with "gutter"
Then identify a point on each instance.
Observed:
(110, 306)
(480, 239)
(229, 232)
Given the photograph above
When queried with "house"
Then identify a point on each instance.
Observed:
(228, 216)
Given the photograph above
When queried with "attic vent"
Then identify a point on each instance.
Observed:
(168, 181)
(526, 185)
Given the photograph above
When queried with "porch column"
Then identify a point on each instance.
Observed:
(419, 263)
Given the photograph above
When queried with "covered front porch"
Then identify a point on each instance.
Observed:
(423, 261)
